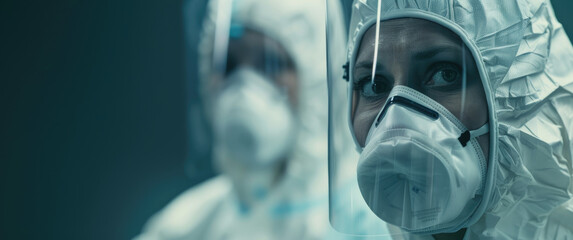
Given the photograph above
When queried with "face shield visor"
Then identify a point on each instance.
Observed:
(250, 90)
(408, 126)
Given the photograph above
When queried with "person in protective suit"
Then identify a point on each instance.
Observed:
(263, 84)
(462, 112)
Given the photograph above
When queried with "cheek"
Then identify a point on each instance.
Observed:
(484, 144)
(475, 113)
(363, 118)
(479, 116)
(476, 109)
(471, 111)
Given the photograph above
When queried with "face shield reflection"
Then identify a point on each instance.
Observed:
(418, 117)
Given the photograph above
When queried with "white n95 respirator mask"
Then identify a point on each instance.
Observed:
(253, 121)
(421, 169)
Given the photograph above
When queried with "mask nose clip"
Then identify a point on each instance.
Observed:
(407, 103)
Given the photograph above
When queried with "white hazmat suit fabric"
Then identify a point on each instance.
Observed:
(525, 61)
(297, 207)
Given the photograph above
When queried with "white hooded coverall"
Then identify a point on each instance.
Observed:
(525, 61)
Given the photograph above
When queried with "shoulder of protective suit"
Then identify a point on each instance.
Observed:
(188, 210)
(559, 223)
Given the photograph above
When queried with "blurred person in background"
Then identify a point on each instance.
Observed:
(263, 85)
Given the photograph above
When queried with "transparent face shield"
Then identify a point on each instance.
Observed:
(408, 126)
(250, 91)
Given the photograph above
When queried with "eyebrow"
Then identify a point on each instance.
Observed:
(367, 65)
(425, 54)
(435, 51)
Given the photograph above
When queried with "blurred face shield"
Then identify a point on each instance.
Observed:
(251, 95)
(414, 158)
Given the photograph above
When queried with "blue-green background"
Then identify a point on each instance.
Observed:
(95, 115)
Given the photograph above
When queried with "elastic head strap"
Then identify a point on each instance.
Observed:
(466, 136)
(480, 131)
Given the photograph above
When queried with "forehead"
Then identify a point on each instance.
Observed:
(407, 34)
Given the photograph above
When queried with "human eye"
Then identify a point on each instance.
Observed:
(372, 89)
(444, 75)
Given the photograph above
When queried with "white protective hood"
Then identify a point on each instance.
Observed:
(525, 61)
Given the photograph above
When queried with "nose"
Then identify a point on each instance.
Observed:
(402, 72)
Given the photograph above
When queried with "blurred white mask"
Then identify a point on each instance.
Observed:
(253, 120)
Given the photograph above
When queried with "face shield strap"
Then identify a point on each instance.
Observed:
(466, 136)
(345, 75)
